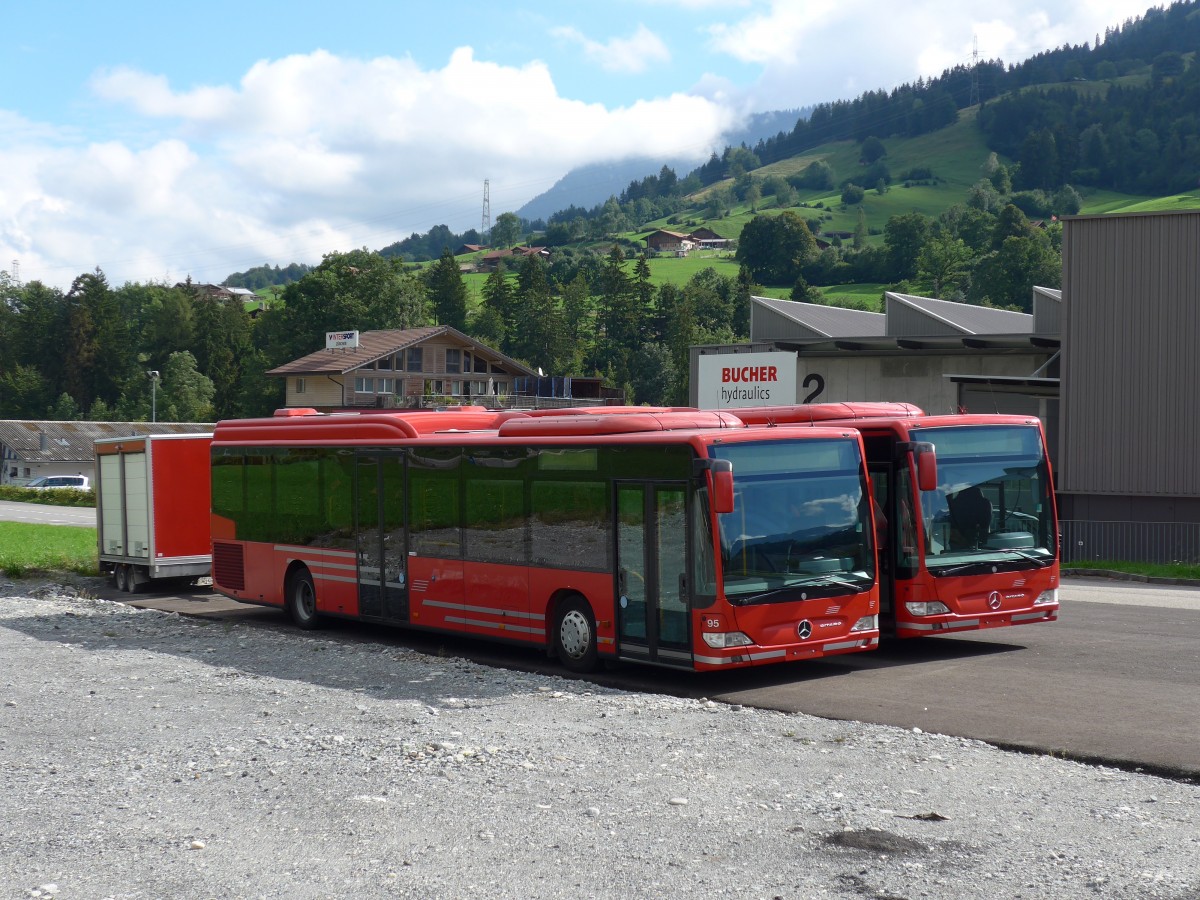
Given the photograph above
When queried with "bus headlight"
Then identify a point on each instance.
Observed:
(1046, 597)
(866, 623)
(720, 640)
(927, 608)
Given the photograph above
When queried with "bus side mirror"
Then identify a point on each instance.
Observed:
(926, 460)
(722, 485)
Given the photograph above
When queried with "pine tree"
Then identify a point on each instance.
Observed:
(447, 292)
(499, 299)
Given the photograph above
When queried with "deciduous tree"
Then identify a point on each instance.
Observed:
(506, 231)
(775, 247)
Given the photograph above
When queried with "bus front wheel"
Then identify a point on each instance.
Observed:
(575, 636)
(302, 600)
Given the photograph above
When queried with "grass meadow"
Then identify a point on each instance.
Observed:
(26, 548)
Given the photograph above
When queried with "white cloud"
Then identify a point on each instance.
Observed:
(151, 95)
(633, 54)
(811, 53)
(308, 154)
(777, 35)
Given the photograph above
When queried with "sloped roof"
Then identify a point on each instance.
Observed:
(72, 441)
(964, 317)
(828, 321)
(373, 345)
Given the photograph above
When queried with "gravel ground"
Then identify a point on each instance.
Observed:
(149, 755)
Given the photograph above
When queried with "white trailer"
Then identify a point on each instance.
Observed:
(153, 502)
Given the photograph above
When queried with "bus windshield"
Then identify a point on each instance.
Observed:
(800, 526)
(992, 503)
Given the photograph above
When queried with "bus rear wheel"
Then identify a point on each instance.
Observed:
(302, 600)
(575, 636)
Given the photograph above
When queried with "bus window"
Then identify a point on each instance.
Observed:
(434, 503)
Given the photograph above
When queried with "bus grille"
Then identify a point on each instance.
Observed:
(228, 566)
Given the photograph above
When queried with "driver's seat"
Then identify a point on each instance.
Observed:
(970, 518)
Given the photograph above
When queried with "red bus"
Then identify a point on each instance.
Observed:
(676, 538)
(972, 531)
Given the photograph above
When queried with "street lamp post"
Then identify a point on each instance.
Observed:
(152, 374)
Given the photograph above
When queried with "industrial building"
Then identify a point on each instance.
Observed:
(1109, 364)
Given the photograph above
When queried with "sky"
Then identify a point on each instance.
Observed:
(159, 141)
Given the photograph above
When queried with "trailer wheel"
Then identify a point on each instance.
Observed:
(121, 577)
(575, 635)
(302, 600)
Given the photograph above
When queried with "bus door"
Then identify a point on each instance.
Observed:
(381, 536)
(885, 520)
(653, 615)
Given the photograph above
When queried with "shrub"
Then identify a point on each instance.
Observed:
(852, 194)
(56, 497)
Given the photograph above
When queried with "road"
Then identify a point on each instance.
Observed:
(1115, 681)
(43, 514)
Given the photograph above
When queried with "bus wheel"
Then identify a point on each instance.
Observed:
(302, 600)
(121, 577)
(575, 636)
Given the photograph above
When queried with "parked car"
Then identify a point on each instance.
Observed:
(77, 482)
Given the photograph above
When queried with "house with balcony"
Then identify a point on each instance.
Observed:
(431, 366)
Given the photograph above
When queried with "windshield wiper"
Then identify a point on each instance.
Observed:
(825, 580)
(1041, 561)
(961, 568)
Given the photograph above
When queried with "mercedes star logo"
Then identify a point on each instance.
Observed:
(804, 629)
(994, 600)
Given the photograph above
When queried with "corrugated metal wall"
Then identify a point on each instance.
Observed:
(1131, 355)
(1047, 314)
(767, 324)
(904, 321)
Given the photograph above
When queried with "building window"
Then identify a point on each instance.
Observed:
(301, 385)
(415, 359)
(453, 360)
(480, 364)
(385, 364)
(364, 385)
(383, 385)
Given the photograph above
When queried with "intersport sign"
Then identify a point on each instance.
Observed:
(746, 379)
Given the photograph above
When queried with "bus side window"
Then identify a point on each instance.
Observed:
(881, 496)
(906, 527)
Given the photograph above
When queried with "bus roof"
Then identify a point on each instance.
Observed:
(477, 425)
(810, 413)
